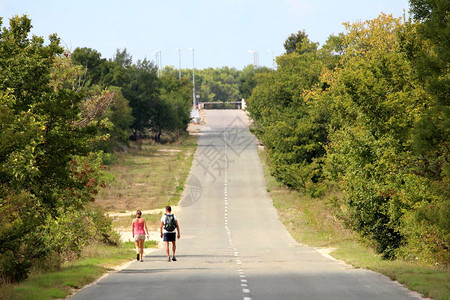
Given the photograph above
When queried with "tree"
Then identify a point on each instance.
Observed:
(293, 134)
(300, 43)
(290, 45)
(377, 102)
(47, 168)
(95, 66)
(429, 51)
(97, 77)
(431, 61)
(219, 84)
(140, 86)
(374, 123)
(248, 79)
(179, 94)
(121, 117)
(172, 110)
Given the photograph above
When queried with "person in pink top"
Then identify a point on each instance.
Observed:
(137, 229)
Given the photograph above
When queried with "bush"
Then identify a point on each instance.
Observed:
(14, 267)
(28, 244)
(18, 218)
(102, 223)
(427, 233)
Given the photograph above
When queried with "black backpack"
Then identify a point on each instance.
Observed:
(169, 223)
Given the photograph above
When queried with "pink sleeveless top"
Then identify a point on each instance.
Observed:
(139, 228)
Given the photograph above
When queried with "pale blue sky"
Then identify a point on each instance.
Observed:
(221, 31)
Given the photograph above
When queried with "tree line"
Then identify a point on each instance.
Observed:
(223, 84)
(60, 112)
(145, 104)
(367, 115)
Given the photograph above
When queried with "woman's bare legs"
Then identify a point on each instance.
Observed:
(141, 249)
(137, 247)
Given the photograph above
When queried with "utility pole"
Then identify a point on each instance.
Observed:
(193, 78)
(255, 57)
(158, 61)
(179, 62)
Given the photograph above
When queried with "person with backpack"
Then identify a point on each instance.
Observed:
(169, 224)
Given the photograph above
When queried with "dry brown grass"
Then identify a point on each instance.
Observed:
(124, 222)
(147, 177)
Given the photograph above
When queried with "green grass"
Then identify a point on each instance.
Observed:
(427, 280)
(97, 260)
(311, 222)
(147, 244)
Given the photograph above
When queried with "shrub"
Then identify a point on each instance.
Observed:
(426, 229)
(102, 225)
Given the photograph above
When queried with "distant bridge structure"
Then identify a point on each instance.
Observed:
(223, 105)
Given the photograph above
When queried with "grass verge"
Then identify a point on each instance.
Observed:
(147, 244)
(311, 222)
(97, 260)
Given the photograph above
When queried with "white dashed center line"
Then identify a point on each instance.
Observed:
(243, 281)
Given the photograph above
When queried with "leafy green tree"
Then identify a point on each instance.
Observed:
(157, 104)
(46, 164)
(332, 51)
(428, 48)
(179, 94)
(377, 100)
(248, 79)
(123, 59)
(219, 84)
(300, 43)
(172, 110)
(374, 123)
(121, 116)
(98, 76)
(431, 61)
(293, 134)
(95, 66)
(140, 86)
(116, 119)
(290, 45)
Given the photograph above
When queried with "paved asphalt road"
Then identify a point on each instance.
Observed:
(232, 244)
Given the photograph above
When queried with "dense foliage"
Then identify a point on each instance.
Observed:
(58, 111)
(146, 105)
(221, 84)
(368, 114)
(48, 172)
(293, 130)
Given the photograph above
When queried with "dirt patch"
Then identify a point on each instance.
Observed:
(169, 150)
(144, 212)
